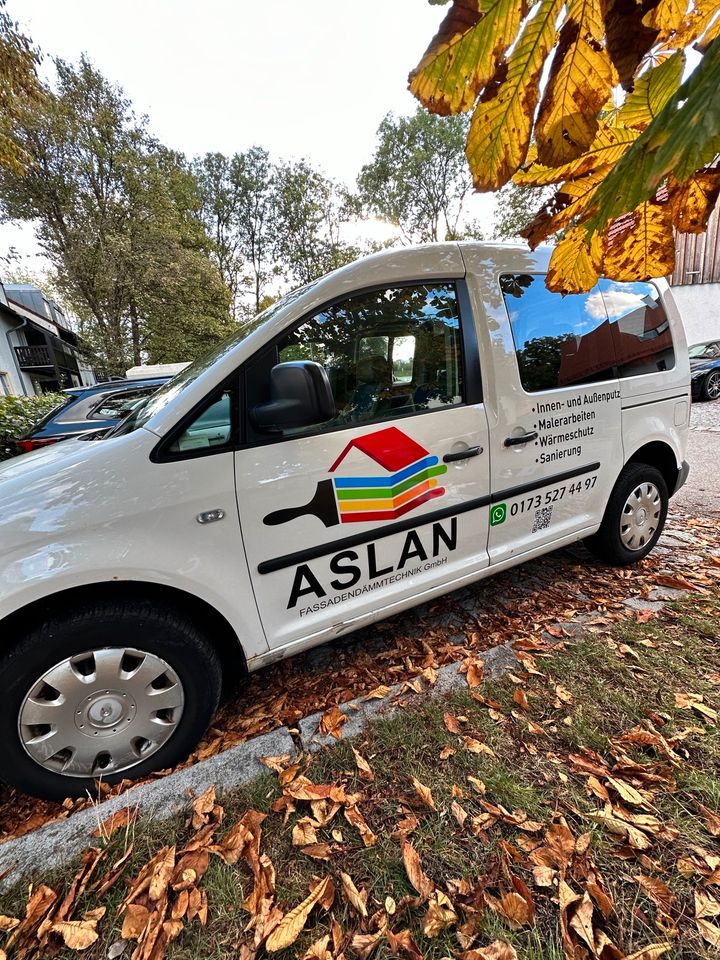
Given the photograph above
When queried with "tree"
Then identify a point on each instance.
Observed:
(309, 212)
(629, 172)
(418, 178)
(516, 207)
(19, 87)
(118, 217)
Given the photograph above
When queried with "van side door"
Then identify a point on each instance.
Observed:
(553, 409)
(387, 501)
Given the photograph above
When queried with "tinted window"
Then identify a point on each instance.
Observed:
(387, 354)
(560, 341)
(211, 429)
(119, 404)
(640, 328)
(615, 330)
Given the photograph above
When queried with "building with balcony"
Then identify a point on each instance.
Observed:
(39, 353)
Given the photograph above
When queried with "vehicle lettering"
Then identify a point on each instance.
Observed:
(350, 564)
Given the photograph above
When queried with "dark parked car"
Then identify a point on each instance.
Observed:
(88, 411)
(705, 370)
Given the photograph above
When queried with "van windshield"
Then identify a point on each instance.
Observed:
(160, 399)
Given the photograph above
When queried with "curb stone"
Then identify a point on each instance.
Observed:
(60, 841)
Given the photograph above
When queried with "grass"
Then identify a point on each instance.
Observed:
(587, 692)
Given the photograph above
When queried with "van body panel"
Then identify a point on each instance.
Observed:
(87, 513)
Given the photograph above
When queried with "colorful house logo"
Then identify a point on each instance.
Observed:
(410, 479)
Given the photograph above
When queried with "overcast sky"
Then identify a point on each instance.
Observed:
(302, 78)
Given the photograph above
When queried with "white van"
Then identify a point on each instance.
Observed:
(404, 426)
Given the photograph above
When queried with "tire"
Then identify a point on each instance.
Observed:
(711, 386)
(143, 697)
(619, 543)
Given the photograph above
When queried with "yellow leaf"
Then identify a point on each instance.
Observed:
(291, 925)
(651, 952)
(640, 246)
(162, 872)
(570, 202)
(331, 722)
(709, 931)
(581, 79)
(608, 146)
(692, 202)
(667, 17)
(651, 92)
(356, 819)
(500, 128)
(318, 950)
(574, 263)
(497, 950)
(463, 56)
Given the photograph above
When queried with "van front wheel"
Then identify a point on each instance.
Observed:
(634, 517)
(104, 691)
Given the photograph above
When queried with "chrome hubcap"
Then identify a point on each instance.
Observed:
(640, 516)
(712, 385)
(101, 712)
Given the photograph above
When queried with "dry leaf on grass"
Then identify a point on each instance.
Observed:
(292, 924)
(424, 793)
(364, 768)
(356, 898)
(416, 875)
(76, 934)
(497, 950)
(440, 915)
(117, 821)
(356, 819)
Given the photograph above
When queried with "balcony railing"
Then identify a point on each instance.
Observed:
(29, 357)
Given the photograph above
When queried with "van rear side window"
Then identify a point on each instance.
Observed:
(615, 330)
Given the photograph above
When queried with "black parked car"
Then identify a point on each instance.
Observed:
(705, 370)
(88, 411)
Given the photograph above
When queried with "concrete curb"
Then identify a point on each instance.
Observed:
(56, 843)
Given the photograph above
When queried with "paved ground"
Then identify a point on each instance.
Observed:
(701, 494)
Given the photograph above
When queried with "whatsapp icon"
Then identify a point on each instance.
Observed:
(498, 513)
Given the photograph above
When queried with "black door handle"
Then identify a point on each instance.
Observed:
(462, 454)
(523, 438)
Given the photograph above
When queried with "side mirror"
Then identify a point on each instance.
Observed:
(300, 395)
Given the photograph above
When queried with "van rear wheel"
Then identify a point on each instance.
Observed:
(106, 691)
(634, 517)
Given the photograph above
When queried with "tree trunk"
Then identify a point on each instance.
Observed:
(135, 334)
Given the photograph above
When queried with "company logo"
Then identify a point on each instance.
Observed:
(409, 480)
(498, 514)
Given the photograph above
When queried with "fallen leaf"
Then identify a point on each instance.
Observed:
(366, 772)
(135, 921)
(356, 819)
(118, 820)
(416, 875)
(354, 897)
(424, 793)
(710, 818)
(451, 723)
(331, 722)
(440, 915)
(76, 934)
(497, 950)
(292, 924)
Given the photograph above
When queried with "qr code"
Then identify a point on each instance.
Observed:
(542, 519)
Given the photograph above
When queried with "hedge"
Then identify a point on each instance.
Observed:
(18, 414)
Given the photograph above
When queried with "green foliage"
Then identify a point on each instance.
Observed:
(118, 215)
(418, 177)
(19, 86)
(19, 414)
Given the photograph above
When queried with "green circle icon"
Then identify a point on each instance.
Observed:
(498, 513)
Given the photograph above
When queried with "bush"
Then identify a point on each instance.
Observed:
(18, 414)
